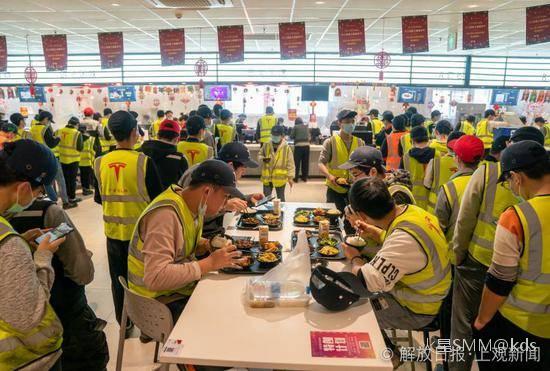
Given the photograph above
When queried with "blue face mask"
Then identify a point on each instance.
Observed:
(348, 128)
(276, 139)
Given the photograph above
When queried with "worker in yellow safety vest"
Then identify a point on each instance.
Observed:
(70, 146)
(467, 125)
(265, 123)
(178, 214)
(19, 120)
(156, 124)
(406, 141)
(375, 124)
(126, 181)
(194, 150)
(107, 141)
(30, 332)
(336, 151)
(277, 163)
(544, 126)
(516, 296)
(435, 116)
(225, 128)
(483, 130)
(87, 156)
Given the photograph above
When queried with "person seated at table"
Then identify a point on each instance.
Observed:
(277, 162)
(161, 259)
(411, 272)
(237, 155)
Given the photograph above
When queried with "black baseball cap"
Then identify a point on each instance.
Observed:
(74, 121)
(363, 156)
(346, 114)
(336, 291)
(435, 113)
(521, 155)
(45, 114)
(277, 130)
(32, 161)
(237, 152)
(528, 133)
(387, 116)
(218, 173)
(374, 111)
(225, 114)
(500, 143)
(204, 112)
(107, 111)
(16, 118)
(122, 121)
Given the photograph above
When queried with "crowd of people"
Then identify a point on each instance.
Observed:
(455, 220)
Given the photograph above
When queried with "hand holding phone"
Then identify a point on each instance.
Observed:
(60, 231)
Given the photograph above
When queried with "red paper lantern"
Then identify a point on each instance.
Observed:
(105, 101)
(454, 103)
(52, 101)
(201, 84)
(78, 100)
(99, 91)
(185, 100)
(155, 90)
(60, 91)
(71, 92)
(89, 91)
(50, 90)
(141, 96)
(147, 88)
(172, 98)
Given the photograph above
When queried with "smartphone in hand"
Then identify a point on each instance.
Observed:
(60, 231)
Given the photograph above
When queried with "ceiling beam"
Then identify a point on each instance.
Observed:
(292, 10)
(331, 22)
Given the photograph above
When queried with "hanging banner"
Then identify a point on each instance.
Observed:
(55, 52)
(537, 24)
(415, 34)
(231, 43)
(172, 47)
(111, 49)
(3, 54)
(351, 37)
(292, 39)
(475, 30)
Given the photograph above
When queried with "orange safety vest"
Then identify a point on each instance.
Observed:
(392, 141)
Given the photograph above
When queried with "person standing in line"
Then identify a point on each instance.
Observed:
(544, 127)
(126, 181)
(31, 333)
(264, 125)
(435, 116)
(156, 124)
(498, 145)
(336, 151)
(19, 120)
(87, 156)
(225, 128)
(107, 142)
(216, 110)
(391, 148)
(516, 298)
(277, 162)
(374, 125)
(301, 136)
(387, 118)
(467, 125)
(209, 137)
(193, 148)
(169, 115)
(8, 132)
(70, 146)
(170, 163)
(406, 141)
(482, 129)
(441, 132)
(485, 199)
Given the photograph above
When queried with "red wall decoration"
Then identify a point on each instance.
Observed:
(3, 54)
(231, 43)
(111, 49)
(537, 24)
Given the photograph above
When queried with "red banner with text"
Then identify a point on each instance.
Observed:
(292, 39)
(231, 43)
(415, 34)
(3, 54)
(172, 47)
(111, 49)
(55, 52)
(537, 24)
(351, 37)
(475, 30)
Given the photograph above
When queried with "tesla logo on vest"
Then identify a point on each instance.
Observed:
(117, 166)
(192, 153)
(64, 135)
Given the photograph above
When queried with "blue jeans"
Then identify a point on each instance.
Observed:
(60, 186)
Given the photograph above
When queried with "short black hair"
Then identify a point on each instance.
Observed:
(489, 112)
(471, 119)
(160, 113)
(417, 120)
(195, 124)
(167, 112)
(444, 127)
(387, 116)
(371, 196)
(217, 109)
(435, 114)
(412, 110)
(193, 113)
(269, 110)
(107, 111)
(419, 134)
(97, 116)
(399, 122)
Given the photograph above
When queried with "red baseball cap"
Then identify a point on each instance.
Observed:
(170, 125)
(88, 111)
(468, 148)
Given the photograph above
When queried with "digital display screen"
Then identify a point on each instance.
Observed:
(122, 93)
(217, 92)
(317, 93)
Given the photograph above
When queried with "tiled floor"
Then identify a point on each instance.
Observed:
(88, 220)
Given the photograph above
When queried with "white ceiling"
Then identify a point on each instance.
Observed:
(139, 20)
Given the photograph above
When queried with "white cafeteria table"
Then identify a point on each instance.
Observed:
(218, 329)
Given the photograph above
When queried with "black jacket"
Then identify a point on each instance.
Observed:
(422, 155)
(170, 163)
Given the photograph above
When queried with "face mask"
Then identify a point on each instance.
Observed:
(276, 139)
(17, 208)
(348, 128)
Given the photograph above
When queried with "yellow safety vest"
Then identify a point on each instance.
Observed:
(340, 154)
(87, 153)
(155, 128)
(546, 132)
(430, 126)
(68, 153)
(423, 292)
(18, 349)
(440, 147)
(106, 144)
(377, 126)
(395, 189)
(467, 128)
(227, 133)
(406, 143)
(417, 171)
(528, 305)
(267, 122)
(483, 133)
(496, 199)
(22, 134)
(454, 191)
(276, 171)
(34, 122)
(37, 133)
(191, 234)
(443, 167)
(121, 180)
(194, 152)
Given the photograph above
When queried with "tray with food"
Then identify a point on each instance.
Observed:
(259, 259)
(329, 248)
(253, 221)
(309, 217)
